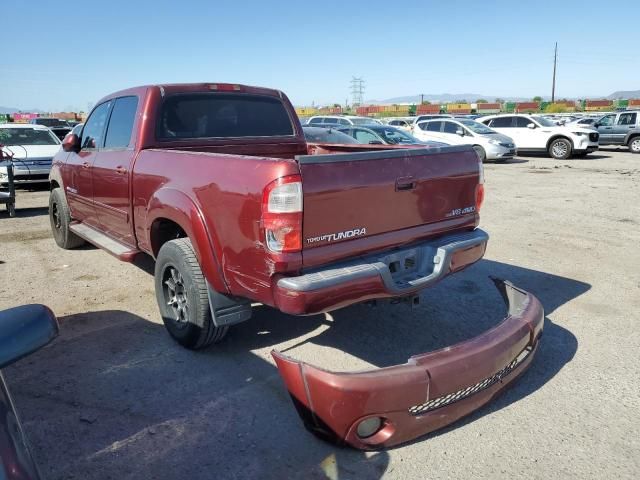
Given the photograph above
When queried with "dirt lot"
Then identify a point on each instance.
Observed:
(114, 397)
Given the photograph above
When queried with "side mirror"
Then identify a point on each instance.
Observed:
(531, 125)
(596, 125)
(460, 132)
(23, 330)
(71, 143)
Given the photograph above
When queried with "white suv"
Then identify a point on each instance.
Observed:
(488, 144)
(534, 133)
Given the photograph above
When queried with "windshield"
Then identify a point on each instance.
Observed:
(544, 122)
(364, 121)
(52, 122)
(477, 127)
(394, 136)
(27, 136)
(326, 135)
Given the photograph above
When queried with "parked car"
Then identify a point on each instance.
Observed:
(622, 128)
(33, 148)
(23, 330)
(324, 120)
(399, 122)
(585, 122)
(59, 127)
(385, 135)
(488, 144)
(534, 133)
(326, 135)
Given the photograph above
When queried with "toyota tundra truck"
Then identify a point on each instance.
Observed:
(216, 182)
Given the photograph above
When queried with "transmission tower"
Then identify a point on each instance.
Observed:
(357, 90)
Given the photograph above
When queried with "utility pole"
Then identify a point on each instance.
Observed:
(553, 87)
(357, 90)
(421, 98)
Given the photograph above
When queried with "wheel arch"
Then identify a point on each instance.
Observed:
(556, 137)
(172, 214)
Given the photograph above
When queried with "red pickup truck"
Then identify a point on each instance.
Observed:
(217, 183)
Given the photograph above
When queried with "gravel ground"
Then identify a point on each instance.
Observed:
(114, 398)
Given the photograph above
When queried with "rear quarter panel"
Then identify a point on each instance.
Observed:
(223, 193)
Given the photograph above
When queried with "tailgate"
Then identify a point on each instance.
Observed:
(360, 195)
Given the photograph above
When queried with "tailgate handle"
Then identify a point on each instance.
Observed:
(405, 183)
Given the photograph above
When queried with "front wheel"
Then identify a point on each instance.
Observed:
(634, 145)
(560, 149)
(181, 292)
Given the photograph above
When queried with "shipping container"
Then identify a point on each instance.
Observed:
(634, 102)
(425, 109)
(599, 103)
(527, 107)
(510, 107)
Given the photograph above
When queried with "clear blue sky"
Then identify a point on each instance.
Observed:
(60, 55)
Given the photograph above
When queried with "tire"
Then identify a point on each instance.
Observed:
(481, 153)
(60, 218)
(181, 292)
(560, 149)
(634, 144)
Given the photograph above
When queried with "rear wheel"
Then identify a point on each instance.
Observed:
(482, 155)
(181, 292)
(60, 218)
(560, 149)
(634, 145)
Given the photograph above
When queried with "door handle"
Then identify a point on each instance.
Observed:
(121, 170)
(86, 165)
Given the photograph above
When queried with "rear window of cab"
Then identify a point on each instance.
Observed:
(222, 115)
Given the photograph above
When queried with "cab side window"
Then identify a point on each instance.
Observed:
(450, 127)
(607, 120)
(502, 122)
(93, 131)
(121, 123)
(522, 122)
(365, 137)
(627, 119)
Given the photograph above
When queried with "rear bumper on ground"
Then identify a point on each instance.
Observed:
(397, 273)
(429, 392)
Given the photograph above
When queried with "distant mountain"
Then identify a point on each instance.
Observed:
(14, 110)
(626, 94)
(446, 98)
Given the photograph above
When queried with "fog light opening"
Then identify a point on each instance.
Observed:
(369, 427)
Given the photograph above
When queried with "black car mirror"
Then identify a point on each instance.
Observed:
(460, 132)
(23, 330)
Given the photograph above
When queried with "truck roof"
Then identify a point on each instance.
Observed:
(194, 87)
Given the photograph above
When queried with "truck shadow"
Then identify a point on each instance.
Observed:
(115, 397)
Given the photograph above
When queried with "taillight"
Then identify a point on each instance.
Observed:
(480, 186)
(282, 214)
